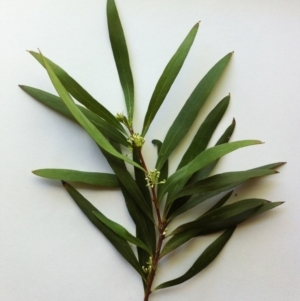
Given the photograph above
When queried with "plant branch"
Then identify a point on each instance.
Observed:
(161, 228)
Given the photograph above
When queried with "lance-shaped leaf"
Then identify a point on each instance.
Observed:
(205, 132)
(190, 110)
(119, 243)
(210, 253)
(168, 77)
(220, 203)
(92, 178)
(203, 172)
(226, 179)
(238, 218)
(220, 217)
(222, 186)
(149, 225)
(80, 117)
(78, 92)
(199, 162)
(121, 231)
(119, 48)
(138, 207)
(181, 238)
(129, 184)
(177, 240)
(55, 103)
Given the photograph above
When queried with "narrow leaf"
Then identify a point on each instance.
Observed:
(80, 117)
(142, 184)
(121, 231)
(209, 255)
(203, 172)
(78, 92)
(214, 185)
(177, 240)
(200, 161)
(129, 184)
(219, 181)
(220, 203)
(190, 110)
(55, 103)
(219, 217)
(215, 226)
(168, 77)
(205, 132)
(92, 178)
(119, 48)
(119, 243)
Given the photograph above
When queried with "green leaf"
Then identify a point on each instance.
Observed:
(141, 182)
(190, 110)
(200, 161)
(55, 103)
(80, 117)
(220, 203)
(121, 231)
(224, 217)
(209, 255)
(119, 48)
(129, 184)
(92, 178)
(222, 182)
(203, 172)
(205, 132)
(78, 92)
(119, 243)
(168, 77)
(215, 226)
(177, 240)
(219, 181)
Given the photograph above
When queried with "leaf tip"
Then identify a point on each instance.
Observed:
(64, 183)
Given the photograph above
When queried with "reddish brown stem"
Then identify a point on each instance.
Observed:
(154, 263)
(161, 228)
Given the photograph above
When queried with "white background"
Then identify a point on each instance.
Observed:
(48, 249)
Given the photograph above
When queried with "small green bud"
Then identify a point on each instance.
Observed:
(148, 268)
(152, 178)
(136, 140)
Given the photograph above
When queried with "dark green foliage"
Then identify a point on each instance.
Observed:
(153, 197)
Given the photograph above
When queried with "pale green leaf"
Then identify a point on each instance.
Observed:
(92, 178)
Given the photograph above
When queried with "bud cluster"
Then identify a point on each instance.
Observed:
(152, 178)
